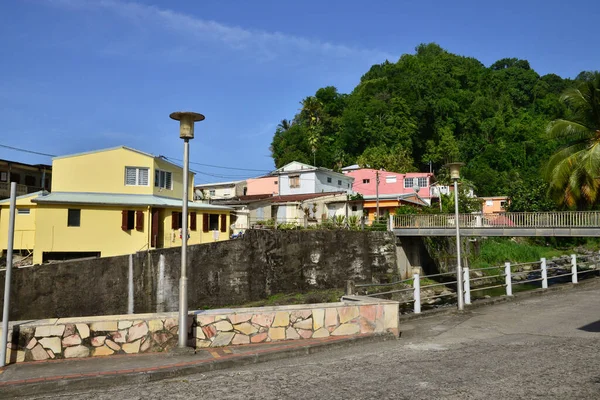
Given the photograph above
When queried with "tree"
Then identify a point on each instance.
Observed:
(574, 171)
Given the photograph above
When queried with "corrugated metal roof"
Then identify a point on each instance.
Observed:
(120, 199)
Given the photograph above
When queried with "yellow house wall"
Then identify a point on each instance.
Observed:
(177, 178)
(171, 237)
(24, 238)
(101, 172)
(99, 230)
(384, 205)
(104, 172)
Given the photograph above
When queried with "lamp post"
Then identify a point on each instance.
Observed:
(455, 175)
(186, 132)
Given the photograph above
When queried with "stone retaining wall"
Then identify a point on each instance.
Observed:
(145, 333)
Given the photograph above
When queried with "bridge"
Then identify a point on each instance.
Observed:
(559, 223)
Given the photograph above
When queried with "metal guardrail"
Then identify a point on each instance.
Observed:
(558, 219)
(507, 274)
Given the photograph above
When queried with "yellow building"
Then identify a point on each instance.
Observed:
(110, 202)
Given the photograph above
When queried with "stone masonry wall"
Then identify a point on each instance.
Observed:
(132, 334)
(228, 273)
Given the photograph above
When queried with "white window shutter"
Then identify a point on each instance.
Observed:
(130, 176)
(143, 177)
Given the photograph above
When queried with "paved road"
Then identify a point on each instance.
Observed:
(541, 347)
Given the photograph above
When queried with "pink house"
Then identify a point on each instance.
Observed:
(390, 183)
(262, 185)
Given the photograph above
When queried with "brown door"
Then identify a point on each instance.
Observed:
(154, 239)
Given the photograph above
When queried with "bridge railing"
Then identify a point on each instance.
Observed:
(542, 273)
(557, 219)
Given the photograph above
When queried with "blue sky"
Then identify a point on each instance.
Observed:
(79, 75)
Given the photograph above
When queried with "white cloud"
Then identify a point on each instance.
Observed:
(265, 46)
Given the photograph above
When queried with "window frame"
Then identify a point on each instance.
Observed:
(329, 180)
(421, 180)
(23, 211)
(213, 222)
(71, 216)
(411, 180)
(160, 179)
(366, 181)
(138, 176)
(294, 181)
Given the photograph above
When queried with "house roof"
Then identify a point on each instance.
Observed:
(23, 196)
(118, 199)
(38, 166)
(407, 197)
(215, 184)
(302, 197)
(162, 158)
(309, 168)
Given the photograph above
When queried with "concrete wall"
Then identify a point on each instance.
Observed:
(227, 273)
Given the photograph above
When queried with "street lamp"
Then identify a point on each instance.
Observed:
(186, 132)
(455, 175)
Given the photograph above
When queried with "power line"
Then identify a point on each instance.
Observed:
(218, 166)
(27, 151)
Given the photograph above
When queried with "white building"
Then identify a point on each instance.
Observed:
(220, 190)
(299, 178)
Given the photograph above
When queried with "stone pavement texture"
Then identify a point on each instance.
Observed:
(531, 348)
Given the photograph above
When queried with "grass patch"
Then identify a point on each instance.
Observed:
(496, 251)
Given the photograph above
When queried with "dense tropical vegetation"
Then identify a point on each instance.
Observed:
(434, 106)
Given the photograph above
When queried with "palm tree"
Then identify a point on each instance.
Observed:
(284, 125)
(311, 111)
(574, 171)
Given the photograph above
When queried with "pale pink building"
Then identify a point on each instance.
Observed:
(390, 183)
(262, 185)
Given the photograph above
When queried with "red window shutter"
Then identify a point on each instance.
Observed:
(124, 220)
(204, 222)
(174, 220)
(223, 223)
(139, 220)
(193, 221)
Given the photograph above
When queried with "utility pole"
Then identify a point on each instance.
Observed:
(377, 192)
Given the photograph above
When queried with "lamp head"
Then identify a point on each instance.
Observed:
(186, 122)
(455, 169)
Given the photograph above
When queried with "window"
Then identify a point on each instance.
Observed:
(422, 182)
(135, 176)
(74, 217)
(488, 203)
(127, 220)
(339, 182)
(328, 179)
(365, 181)
(23, 211)
(348, 186)
(408, 183)
(3, 176)
(275, 182)
(163, 179)
(30, 180)
(15, 177)
(226, 193)
(503, 204)
(390, 179)
(213, 222)
(354, 208)
(212, 192)
(294, 181)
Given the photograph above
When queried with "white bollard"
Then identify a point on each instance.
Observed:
(391, 223)
(544, 274)
(467, 285)
(574, 268)
(417, 293)
(508, 279)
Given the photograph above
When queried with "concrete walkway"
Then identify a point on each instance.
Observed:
(37, 377)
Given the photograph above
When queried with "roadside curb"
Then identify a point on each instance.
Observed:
(500, 299)
(59, 384)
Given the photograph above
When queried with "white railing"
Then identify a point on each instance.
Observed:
(506, 274)
(557, 219)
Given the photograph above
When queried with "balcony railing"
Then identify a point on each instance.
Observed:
(21, 189)
(558, 219)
